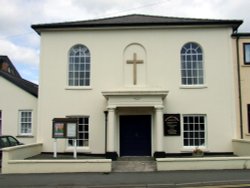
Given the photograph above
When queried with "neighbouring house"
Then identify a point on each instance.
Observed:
(242, 67)
(18, 103)
(139, 85)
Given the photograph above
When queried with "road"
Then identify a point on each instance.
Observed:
(208, 179)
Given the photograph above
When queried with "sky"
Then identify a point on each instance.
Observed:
(21, 44)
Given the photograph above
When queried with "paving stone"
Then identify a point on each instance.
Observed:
(134, 164)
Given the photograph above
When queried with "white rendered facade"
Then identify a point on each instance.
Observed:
(158, 89)
(15, 101)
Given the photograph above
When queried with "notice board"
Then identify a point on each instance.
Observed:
(172, 125)
(64, 128)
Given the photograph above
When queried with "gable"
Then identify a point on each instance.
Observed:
(21, 83)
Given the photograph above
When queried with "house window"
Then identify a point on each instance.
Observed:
(0, 122)
(25, 122)
(79, 66)
(247, 53)
(192, 71)
(194, 130)
(83, 133)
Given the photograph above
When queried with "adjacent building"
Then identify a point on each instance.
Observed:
(242, 68)
(18, 103)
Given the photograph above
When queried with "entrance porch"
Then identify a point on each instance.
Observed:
(129, 122)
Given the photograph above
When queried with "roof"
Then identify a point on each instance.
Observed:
(137, 20)
(12, 75)
(21, 83)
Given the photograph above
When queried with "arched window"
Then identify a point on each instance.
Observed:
(192, 70)
(79, 66)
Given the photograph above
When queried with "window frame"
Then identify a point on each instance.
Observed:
(244, 51)
(84, 68)
(193, 146)
(193, 71)
(20, 123)
(83, 132)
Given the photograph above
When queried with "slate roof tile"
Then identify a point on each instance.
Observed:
(138, 20)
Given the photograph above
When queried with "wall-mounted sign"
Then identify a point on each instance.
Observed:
(64, 128)
(172, 125)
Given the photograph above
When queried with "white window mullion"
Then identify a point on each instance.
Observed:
(83, 133)
(79, 56)
(193, 129)
(191, 64)
(25, 122)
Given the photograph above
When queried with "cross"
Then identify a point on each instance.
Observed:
(134, 62)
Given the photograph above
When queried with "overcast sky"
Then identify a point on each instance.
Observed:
(21, 44)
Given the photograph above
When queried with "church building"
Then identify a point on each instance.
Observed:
(139, 85)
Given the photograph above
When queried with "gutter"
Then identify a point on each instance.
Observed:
(106, 125)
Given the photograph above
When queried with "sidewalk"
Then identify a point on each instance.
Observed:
(134, 164)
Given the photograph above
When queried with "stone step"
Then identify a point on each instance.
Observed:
(134, 165)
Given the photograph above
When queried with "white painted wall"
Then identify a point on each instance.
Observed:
(241, 147)
(162, 51)
(13, 99)
(206, 163)
(15, 161)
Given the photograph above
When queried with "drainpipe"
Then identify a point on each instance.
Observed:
(239, 86)
(106, 124)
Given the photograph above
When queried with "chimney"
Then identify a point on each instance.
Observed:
(5, 67)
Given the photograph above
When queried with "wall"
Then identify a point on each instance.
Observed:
(245, 86)
(162, 48)
(241, 147)
(14, 161)
(206, 163)
(21, 152)
(57, 166)
(13, 99)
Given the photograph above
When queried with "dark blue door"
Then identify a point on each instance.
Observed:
(135, 135)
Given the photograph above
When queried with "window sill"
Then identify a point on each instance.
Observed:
(78, 88)
(25, 136)
(245, 65)
(191, 149)
(193, 87)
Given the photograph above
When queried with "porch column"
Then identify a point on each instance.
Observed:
(111, 154)
(159, 152)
